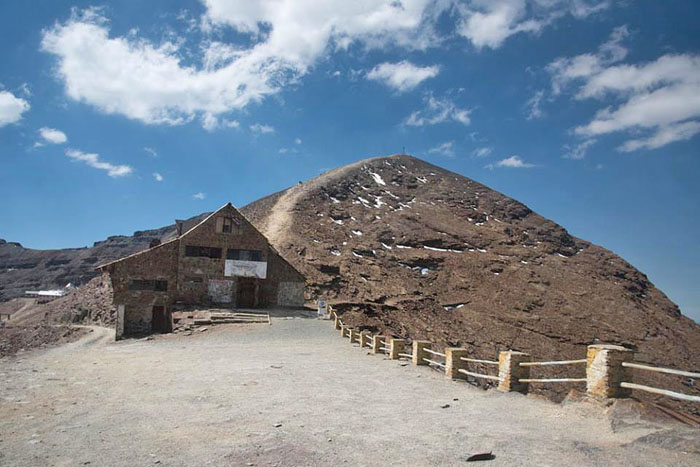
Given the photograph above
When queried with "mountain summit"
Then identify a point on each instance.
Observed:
(409, 248)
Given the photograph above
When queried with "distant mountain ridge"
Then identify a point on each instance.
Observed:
(23, 269)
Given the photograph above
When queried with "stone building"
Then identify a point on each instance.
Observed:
(221, 262)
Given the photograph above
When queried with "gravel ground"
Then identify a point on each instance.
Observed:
(289, 394)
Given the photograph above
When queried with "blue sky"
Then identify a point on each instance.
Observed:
(125, 115)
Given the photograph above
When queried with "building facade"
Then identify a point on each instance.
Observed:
(221, 262)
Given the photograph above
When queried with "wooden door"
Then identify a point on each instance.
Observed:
(245, 293)
(160, 321)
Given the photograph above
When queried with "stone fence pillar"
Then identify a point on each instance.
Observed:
(365, 339)
(510, 371)
(419, 352)
(604, 371)
(453, 362)
(377, 343)
(336, 321)
(396, 346)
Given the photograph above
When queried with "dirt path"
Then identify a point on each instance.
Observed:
(289, 394)
(280, 216)
(28, 311)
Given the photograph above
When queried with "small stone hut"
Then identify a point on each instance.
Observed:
(222, 262)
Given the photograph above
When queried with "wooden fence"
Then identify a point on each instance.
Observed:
(608, 368)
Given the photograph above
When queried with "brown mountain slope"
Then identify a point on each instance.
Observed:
(406, 247)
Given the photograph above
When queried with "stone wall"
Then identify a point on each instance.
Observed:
(290, 294)
(160, 263)
(245, 237)
(199, 280)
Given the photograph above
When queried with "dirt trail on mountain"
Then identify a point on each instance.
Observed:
(279, 220)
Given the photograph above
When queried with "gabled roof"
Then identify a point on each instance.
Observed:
(102, 266)
(206, 219)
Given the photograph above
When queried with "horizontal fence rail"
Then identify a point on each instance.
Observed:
(434, 362)
(479, 375)
(476, 360)
(604, 363)
(665, 392)
(552, 380)
(658, 369)
(557, 362)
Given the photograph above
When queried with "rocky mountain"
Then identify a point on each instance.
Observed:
(407, 248)
(404, 247)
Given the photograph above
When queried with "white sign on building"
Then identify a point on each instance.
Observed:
(240, 268)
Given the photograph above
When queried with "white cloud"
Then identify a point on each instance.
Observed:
(199, 195)
(261, 129)
(482, 152)
(52, 136)
(512, 162)
(158, 177)
(578, 151)
(446, 149)
(230, 123)
(534, 106)
(488, 23)
(662, 97)
(663, 136)
(151, 152)
(402, 76)
(656, 103)
(565, 70)
(148, 81)
(93, 160)
(25, 90)
(297, 141)
(438, 111)
(11, 108)
(209, 122)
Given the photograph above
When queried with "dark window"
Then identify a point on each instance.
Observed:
(244, 255)
(158, 286)
(228, 225)
(202, 252)
(193, 280)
